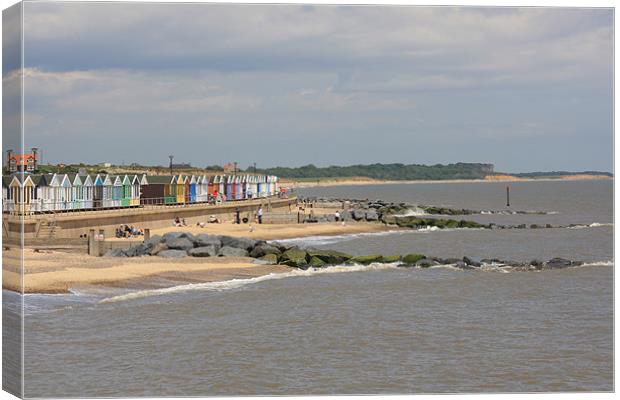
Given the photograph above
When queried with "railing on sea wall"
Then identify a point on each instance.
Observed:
(43, 207)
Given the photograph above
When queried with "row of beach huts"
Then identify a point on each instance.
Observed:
(26, 193)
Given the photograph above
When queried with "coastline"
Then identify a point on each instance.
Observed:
(56, 272)
(498, 179)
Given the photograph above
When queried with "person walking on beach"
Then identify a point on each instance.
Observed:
(337, 215)
(237, 216)
(259, 214)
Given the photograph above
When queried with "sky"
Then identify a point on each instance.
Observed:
(527, 89)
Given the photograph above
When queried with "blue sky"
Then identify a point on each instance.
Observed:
(524, 88)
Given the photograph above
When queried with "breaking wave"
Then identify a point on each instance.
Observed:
(238, 283)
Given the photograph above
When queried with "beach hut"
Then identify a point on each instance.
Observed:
(228, 190)
(98, 191)
(108, 191)
(222, 185)
(77, 192)
(182, 187)
(23, 191)
(193, 182)
(238, 189)
(158, 189)
(88, 187)
(262, 186)
(127, 188)
(8, 204)
(244, 187)
(202, 189)
(211, 188)
(135, 190)
(117, 191)
(254, 186)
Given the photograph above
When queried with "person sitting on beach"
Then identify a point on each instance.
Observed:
(251, 228)
(177, 221)
(183, 222)
(213, 220)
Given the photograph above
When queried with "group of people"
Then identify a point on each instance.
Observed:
(126, 231)
(179, 221)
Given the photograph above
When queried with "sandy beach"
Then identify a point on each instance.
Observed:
(277, 231)
(50, 271)
(57, 272)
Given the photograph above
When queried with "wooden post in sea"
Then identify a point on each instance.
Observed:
(507, 196)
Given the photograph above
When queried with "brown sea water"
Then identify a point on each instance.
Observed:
(372, 330)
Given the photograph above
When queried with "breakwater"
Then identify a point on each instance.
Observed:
(184, 244)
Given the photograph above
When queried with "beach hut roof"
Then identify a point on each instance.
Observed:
(75, 179)
(87, 180)
(127, 180)
(159, 179)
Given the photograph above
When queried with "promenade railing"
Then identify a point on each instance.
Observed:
(40, 207)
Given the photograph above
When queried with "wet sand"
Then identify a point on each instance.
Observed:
(57, 272)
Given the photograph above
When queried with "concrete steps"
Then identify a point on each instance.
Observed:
(48, 229)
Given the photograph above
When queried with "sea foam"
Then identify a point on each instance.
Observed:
(238, 283)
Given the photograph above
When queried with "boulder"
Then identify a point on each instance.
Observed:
(557, 262)
(172, 235)
(411, 259)
(172, 254)
(263, 249)
(153, 240)
(316, 262)
(425, 263)
(295, 257)
(204, 251)
(371, 215)
(137, 251)
(203, 240)
(239, 243)
(471, 262)
(463, 265)
(331, 257)
(358, 215)
(269, 259)
(180, 243)
(228, 251)
(374, 258)
(159, 247)
(115, 253)
(390, 259)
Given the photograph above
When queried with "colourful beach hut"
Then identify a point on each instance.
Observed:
(158, 189)
(135, 190)
(127, 187)
(98, 191)
(211, 188)
(193, 182)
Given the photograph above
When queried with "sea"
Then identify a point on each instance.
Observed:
(376, 329)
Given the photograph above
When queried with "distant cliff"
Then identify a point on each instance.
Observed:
(387, 171)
